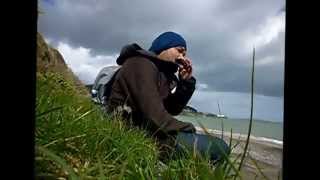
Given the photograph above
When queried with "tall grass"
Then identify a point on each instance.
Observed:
(75, 139)
(251, 112)
(80, 136)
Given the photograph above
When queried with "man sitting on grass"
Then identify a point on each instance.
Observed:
(147, 93)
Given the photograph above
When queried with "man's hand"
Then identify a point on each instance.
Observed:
(185, 69)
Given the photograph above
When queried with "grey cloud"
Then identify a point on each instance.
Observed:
(112, 24)
(283, 9)
(227, 72)
(235, 78)
(214, 31)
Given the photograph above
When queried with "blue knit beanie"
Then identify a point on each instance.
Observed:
(167, 40)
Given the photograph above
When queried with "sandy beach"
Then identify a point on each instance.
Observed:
(267, 153)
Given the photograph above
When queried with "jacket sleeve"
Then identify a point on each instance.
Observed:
(141, 77)
(175, 102)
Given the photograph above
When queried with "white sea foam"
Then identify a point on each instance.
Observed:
(275, 141)
(242, 136)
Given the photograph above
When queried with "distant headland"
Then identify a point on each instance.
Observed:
(188, 110)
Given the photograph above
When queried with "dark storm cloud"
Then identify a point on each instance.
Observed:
(105, 26)
(215, 32)
(227, 72)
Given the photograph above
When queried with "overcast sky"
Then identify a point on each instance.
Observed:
(220, 37)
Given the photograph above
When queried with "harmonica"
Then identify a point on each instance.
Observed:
(183, 63)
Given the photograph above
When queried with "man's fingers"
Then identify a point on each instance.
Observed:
(183, 72)
(185, 75)
(189, 70)
(188, 61)
(189, 76)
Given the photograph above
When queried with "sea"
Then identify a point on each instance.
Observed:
(260, 128)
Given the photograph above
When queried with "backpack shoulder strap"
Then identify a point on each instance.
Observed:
(108, 87)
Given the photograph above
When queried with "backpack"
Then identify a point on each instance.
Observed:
(101, 88)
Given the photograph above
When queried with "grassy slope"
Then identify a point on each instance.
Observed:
(83, 138)
(75, 139)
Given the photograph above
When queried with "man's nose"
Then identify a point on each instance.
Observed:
(181, 56)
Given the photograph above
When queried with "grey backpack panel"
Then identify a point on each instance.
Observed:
(102, 80)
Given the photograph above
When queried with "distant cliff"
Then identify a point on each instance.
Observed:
(188, 110)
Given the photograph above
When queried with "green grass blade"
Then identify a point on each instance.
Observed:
(60, 161)
(101, 174)
(230, 140)
(123, 168)
(258, 167)
(49, 111)
(230, 144)
(224, 155)
(233, 162)
(83, 115)
(251, 112)
(222, 128)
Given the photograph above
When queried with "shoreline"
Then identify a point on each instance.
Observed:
(265, 151)
(239, 126)
(243, 137)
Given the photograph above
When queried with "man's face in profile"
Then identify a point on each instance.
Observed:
(172, 54)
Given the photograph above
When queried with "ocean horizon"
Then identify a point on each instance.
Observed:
(260, 128)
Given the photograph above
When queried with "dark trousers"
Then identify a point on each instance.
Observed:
(216, 148)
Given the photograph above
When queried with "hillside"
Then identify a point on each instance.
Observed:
(50, 60)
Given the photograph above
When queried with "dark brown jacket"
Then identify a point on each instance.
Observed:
(144, 83)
